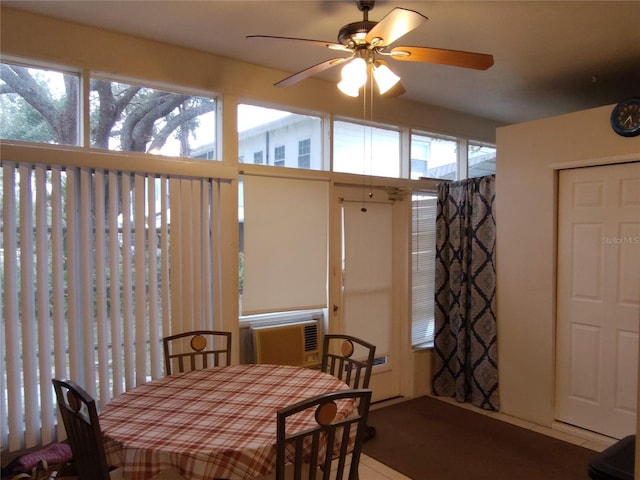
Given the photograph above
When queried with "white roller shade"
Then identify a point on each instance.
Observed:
(367, 293)
(285, 244)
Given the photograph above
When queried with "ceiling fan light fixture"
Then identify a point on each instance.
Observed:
(354, 76)
(385, 78)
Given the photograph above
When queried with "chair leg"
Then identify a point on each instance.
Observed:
(369, 433)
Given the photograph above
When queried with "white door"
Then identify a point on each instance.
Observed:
(363, 287)
(598, 298)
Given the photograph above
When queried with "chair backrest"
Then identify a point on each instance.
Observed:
(307, 446)
(348, 358)
(197, 349)
(80, 417)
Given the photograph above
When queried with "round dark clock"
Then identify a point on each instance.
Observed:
(625, 117)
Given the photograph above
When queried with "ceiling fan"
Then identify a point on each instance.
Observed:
(369, 43)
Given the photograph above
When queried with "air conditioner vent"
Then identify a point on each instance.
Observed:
(311, 337)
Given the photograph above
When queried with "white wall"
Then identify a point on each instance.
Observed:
(529, 155)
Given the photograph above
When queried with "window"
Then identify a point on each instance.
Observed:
(258, 157)
(482, 160)
(434, 157)
(133, 118)
(366, 150)
(278, 156)
(260, 128)
(39, 105)
(423, 234)
(304, 153)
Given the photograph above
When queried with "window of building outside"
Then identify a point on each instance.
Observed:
(277, 134)
(304, 153)
(366, 150)
(39, 105)
(258, 157)
(279, 156)
(434, 157)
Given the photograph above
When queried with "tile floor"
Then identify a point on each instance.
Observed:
(371, 469)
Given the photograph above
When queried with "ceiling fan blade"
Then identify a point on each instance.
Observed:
(309, 72)
(394, 25)
(317, 43)
(456, 58)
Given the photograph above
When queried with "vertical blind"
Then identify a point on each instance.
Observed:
(285, 244)
(86, 286)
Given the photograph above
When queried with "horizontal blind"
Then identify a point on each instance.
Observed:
(423, 264)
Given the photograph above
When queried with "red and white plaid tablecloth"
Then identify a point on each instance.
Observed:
(212, 423)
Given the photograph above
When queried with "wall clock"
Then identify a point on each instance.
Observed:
(625, 117)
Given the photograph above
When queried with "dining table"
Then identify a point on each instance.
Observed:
(214, 423)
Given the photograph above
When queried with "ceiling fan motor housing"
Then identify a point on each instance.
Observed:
(354, 34)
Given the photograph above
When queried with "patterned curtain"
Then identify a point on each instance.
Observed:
(465, 360)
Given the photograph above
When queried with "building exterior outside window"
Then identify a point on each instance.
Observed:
(278, 156)
(304, 153)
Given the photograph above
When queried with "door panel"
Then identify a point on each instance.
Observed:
(363, 290)
(598, 301)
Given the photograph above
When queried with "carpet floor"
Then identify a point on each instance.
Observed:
(428, 439)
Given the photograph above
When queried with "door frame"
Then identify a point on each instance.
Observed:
(396, 378)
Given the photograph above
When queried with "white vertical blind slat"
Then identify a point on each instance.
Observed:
(4, 427)
(195, 260)
(101, 314)
(11, 307)
(127, 284)
(164, 246)
(117, 371)
(176, 271)
(57, 280)
(86, 320)
(154, 317)
(206, 253)
(186, 234)
(27, 310)
(140, 281)
(44, 346)
(76, 370)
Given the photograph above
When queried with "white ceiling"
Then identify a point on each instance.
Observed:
(551, 57)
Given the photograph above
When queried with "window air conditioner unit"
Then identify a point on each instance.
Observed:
(288, 344)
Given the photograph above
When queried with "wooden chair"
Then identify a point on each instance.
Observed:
(198, 349)
(338, 352)
(327, 432)
(340, 362)
(80, 418)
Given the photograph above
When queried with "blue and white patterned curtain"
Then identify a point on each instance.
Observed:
(465, 360)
